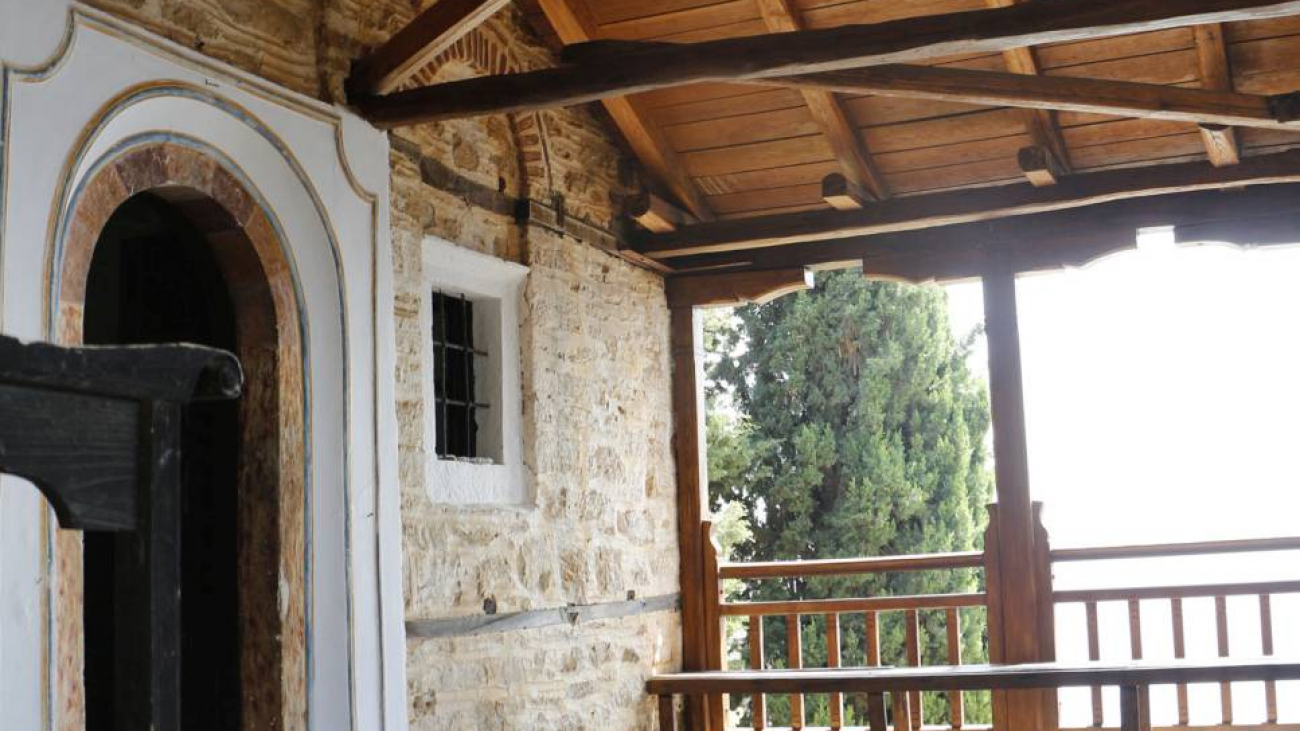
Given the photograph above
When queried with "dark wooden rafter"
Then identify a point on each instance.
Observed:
(574, 25)
(656, 214)
(417, 44)
(1216, 75)
(1260, 215)
(623, 69)
(843, 194)
(1088, 96)
(856, 161)
(967, 206)
(1042, 125)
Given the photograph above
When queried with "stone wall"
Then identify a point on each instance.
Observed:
(595, 373)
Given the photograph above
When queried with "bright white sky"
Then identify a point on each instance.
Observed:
(1162, 393)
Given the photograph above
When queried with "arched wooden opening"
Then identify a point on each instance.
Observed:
(169, 219)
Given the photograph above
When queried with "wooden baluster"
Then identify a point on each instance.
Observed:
(914, 659)
(956, 708)
(875, 701)
(1134, 709)
(1221, 621)
(667, 714)
(759, 709)
(1266, 639)
(1180, 652)
(1135, 651)
(794, 661)
(902, 711)
(833, 661)
(1094, 654)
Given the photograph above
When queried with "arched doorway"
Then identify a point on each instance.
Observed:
(165, 244)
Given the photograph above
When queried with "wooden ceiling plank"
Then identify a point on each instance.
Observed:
(966, 206)
(418, 43)
(622, 69)
(856, 160)
(572, 21)
(1216, 75)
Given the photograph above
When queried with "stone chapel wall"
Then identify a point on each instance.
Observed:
(596, 376)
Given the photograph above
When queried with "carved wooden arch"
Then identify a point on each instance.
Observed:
(254, 265)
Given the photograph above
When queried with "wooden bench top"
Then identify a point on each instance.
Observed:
(974, 677)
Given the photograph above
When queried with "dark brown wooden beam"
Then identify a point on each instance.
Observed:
(968, 206)
(655, 66)
(1260, 215)
(716, 290)
(1041, 124)
(418, 43)
(1088, 96)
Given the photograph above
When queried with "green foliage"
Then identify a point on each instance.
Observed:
(845, 422)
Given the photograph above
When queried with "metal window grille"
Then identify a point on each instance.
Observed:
(454, 365)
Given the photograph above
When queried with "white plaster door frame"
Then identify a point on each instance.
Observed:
(324, 174)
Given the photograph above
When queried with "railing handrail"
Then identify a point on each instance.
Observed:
(1167, 550)
(845, 606)
(846, 566)
(1186, 591)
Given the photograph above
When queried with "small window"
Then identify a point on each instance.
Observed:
(455, 363)
(472, 388)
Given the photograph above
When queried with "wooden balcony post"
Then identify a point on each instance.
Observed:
(1017, 568)
(715, 625)
(692, 496)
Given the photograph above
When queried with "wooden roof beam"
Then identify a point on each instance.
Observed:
(968, 206)
(1260, 215)
(1216, 75)
(1041, 166)
(662, 65)
(1042, 125)
(656, 214)
(843, 194)
(1088, 96)
(574, 24)
(850, 149)
(418, 43)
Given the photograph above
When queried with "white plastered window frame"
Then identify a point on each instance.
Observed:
(495, 287)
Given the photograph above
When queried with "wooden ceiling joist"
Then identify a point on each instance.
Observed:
(418, 43)
(968, 206)
(1258, 215)
(656, 214)
(856, 161)
(600, 76)
(1086, 96)
(1042, 125)
(574, 25)
(1041, 166)
(1216, 75)
(843, 194)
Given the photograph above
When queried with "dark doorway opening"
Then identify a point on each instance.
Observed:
(154, 279)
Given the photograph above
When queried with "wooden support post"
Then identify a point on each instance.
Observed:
(715, 630)
(692, 494)
(1013, 573)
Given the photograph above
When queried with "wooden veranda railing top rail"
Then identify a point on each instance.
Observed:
(1168, 550)
(848, 566)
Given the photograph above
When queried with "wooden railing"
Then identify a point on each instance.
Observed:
(905, 710)
(1134, 597)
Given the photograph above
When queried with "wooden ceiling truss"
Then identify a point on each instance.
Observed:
(841, 76)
